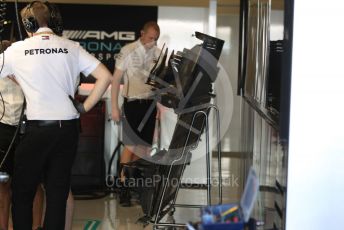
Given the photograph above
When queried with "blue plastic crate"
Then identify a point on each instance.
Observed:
(219, 223)
(217, 220)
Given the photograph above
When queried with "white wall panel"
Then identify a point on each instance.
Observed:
(316, 148)
(177, 24)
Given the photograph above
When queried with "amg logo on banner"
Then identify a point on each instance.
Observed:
(99, 35)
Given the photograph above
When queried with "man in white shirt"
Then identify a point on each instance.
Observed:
(11, 105)
(47, 66)
(134, 63)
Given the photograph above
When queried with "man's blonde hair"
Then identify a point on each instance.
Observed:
(37, 10)
(151, 24)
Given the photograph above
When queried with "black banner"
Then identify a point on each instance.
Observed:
(101, 29)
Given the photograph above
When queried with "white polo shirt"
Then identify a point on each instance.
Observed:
(13, 100)
(47, 67)
(136, 62)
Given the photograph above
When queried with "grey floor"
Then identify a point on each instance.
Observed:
(107, 214)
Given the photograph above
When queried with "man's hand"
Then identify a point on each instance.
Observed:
(116, 114)
(78, 105)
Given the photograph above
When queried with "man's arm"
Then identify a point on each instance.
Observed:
(116, 80)
(104, 77)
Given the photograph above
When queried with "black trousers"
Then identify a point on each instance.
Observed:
(44, 152)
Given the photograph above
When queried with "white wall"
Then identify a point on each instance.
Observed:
(316, 149)
(228, 101)
(177, 25)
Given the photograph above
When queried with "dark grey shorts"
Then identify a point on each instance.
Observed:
(139, 121)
